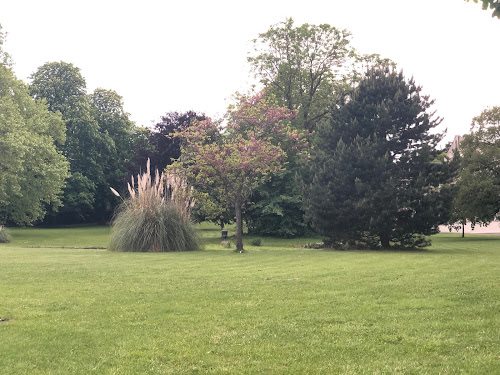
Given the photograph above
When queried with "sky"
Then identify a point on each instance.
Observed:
(164, 55)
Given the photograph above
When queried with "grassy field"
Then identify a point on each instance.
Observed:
(277, 309)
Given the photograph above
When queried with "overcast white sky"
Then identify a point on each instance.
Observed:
(164, 55)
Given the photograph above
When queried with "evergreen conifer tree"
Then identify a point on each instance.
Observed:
(374, 182)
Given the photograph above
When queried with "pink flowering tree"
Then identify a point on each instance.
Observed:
(234, 159)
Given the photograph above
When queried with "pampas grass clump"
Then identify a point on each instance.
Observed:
(4, 235)
(160, 229)
(156, 217)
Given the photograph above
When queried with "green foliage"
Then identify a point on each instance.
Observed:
(277, 208)
(115, 152)
(227, 244)
(492, 4)
(62, 86)
(233, 161)
(300, 66)
(211, 204)
(306, 68)
(373, 181)
(166, 147)
(99, 140)
(4, 56)
(142, 149)
(5, 236)
(32, 171)
(154, 219)
(256, 242)
(478, 188)
(79, 199)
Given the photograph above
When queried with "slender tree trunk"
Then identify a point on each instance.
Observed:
(463, 228)
(239, 228)
(384, 241)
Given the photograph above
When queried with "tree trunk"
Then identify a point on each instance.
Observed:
(239, 228)
(384, 241)
(463, 228)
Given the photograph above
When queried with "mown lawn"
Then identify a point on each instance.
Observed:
(275, 309)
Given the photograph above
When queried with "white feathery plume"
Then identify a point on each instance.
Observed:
(115, 192)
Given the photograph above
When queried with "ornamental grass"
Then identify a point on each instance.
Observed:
(155, 217)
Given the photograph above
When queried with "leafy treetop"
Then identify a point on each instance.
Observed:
(301, 66)
(32, 171)
(492, 4)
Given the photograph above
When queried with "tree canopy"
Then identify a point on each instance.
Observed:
(234, 160)
(478, 188)
(98, 140)
(301, 66)
(32, 171)
(166, 147)
(307, 68)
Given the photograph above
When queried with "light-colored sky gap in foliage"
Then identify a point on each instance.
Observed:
(170, 55)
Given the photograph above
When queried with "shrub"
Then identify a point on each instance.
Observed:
(4, 235)
(156, 217)
(314, 245)
(256, 242)
(226, 244)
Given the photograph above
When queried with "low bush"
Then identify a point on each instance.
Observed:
(226, 244)
(4, 235)
(256, 242)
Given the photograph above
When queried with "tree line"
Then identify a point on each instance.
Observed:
(335, 142)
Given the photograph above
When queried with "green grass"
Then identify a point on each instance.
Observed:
(275, 309)
(59, 237)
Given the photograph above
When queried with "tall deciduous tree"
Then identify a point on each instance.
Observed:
(478, 195)
(99, 139)
(158, 144)
(302, 67)
(167, 148)
(299, 65)
(238, 157)
(306, 67)
(115, 153)
(141, 149)
(374, 182)
(32, 171)
(64, 89)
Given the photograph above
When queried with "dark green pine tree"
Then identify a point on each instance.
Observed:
(373, 179)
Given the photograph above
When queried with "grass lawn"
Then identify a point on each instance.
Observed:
(273, 310)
